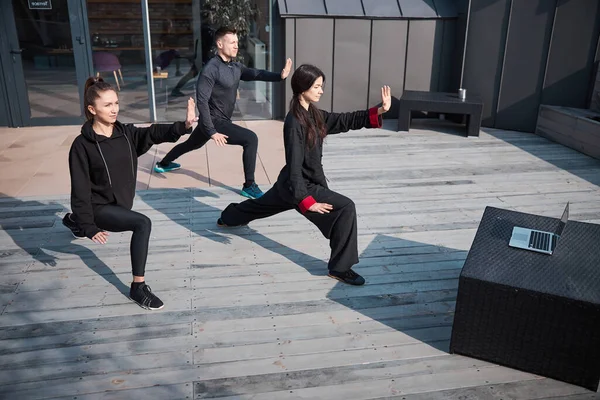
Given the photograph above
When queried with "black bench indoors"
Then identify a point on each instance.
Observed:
(439, 102)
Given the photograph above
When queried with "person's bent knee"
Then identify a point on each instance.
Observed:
(349, 205)
(195, 143)
(351, 208)
(251, 139)
(143, 224)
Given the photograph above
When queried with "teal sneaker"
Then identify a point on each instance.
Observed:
(171, 167)
(252, 192)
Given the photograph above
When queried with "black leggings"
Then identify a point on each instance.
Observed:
(115, 218)
(339, 226)
(237, 136)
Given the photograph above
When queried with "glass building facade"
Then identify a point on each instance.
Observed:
(151, 51)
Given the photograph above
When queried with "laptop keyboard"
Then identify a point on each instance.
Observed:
(539, 240)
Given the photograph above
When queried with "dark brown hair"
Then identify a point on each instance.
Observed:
(312, 120)
(222, 31)
(93, 87)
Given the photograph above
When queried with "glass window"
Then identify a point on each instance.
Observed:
(175, 40)
(252, 20)
(117, 36)
(48, 60)
(181, 40)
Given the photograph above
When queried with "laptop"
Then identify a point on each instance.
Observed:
(540, 241)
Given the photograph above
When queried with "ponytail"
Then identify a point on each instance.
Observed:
(93, 87)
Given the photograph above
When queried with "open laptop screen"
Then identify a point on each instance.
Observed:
(563, 220)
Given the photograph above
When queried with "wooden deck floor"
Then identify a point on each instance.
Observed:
(250, 312)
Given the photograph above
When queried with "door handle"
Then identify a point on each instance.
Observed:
(16, 51)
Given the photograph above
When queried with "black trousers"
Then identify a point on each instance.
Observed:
(339, 226)
(115, 218)
(238, 136)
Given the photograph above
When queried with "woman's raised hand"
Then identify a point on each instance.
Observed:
(386, 98)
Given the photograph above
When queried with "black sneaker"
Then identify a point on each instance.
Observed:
(222, 224)
(350, 277)
(73, 226)
(144, 297)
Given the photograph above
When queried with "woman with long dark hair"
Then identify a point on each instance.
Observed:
(103, 165)
(301, 184)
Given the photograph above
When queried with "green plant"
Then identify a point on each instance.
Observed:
(236, 14)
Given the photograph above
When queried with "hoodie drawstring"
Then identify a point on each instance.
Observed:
(105, 164)
(130, 156)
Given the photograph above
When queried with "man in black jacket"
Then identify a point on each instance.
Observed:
(216, 92)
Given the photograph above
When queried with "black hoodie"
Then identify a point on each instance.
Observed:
(104, 169)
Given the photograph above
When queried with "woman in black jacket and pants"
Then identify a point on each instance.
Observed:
(302, 184)
(103, 166)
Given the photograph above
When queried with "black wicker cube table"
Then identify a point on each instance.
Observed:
(531, 311)
(440, 102)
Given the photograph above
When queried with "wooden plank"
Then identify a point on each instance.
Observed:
(536, 389)
(332, 286)
(87, 367)
(399, 385)
(180, 391)
(399, 317)
(290, 347)
(572, 141)
(124, 307)
(208, 339)
(11, 346)
(75, 354)
(370, 290)
(75, 386)
(229, 313)
(252, 309)
(293, 380)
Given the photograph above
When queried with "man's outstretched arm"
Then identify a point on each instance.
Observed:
(251, 74)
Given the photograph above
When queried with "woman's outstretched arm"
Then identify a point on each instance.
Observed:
(145, 138)
(371, 118)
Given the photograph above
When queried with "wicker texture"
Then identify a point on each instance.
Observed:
(531, 311)
(441, 102)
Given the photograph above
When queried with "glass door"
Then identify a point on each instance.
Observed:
(50, 58)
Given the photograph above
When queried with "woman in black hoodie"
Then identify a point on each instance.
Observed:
(301, 184)
(103, 166)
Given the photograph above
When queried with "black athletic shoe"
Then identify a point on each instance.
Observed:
(144, 297)
(252, 191)
(350, 277)
(73, 226)
(222, 224)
